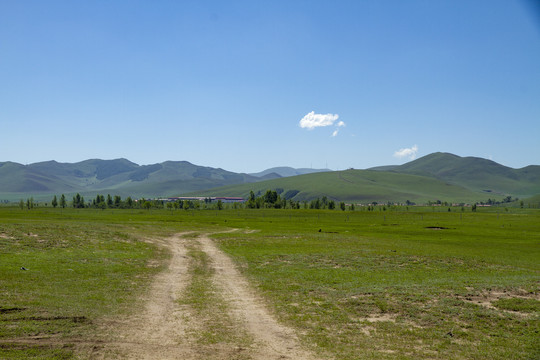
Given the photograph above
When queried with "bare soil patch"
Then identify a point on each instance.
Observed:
(487, 299)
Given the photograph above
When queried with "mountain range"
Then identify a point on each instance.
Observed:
(436, 176)
(121, 177)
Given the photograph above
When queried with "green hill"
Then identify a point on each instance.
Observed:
(533, 201)
(362, 186)
(438, 176)
(475, 174)
(119, 176)
(285, 171)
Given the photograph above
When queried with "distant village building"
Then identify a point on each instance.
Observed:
(225, 199)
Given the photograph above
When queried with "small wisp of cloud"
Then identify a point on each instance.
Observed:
(312, 121)
(407, 153)
(339, 124)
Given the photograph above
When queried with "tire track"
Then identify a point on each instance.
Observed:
(272, 340)
(160, 331)
(165, 329)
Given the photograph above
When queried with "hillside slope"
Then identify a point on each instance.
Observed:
(438, 176)
(285, 171)
(119, 176)
(475, 174)
(362, 186)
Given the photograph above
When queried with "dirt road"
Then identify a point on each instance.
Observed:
(169, 328)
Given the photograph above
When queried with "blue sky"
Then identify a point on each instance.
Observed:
(227, 83)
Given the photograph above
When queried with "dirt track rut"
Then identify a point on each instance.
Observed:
(164, 330)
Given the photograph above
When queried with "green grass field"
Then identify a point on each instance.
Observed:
(399, 284)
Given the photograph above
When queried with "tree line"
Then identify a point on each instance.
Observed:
(271, 199)
(116, 202)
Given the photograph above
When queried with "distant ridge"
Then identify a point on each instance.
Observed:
(438, 176)
(118, 176)
(285, 171)
(474, 173)
(435, 176)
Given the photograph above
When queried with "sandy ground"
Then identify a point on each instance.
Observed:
(164, 329)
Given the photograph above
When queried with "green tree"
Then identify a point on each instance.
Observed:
(283, 202)
(21, 204)
(54, 202)
(342, 206)
(331, 205)
(63, 201)
(219, 205)
(78, 201)
(109, 201)
(259, 202)
(251, 203)
(129, 202)
(324, 202)
(270, 197)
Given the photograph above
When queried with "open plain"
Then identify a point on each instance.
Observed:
(398, 283)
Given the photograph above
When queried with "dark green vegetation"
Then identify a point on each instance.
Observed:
(396, 284)
(438, 176)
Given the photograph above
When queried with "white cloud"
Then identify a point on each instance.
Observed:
(407, 152)
(340, 124)
(334, 134)
(312, 120)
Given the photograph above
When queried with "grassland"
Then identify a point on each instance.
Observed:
(61, 272)
(399, 284)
